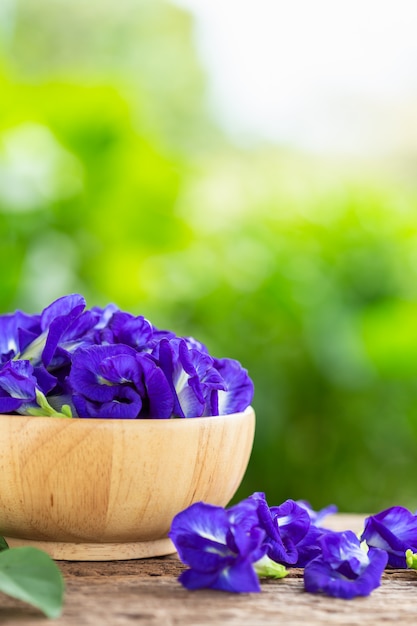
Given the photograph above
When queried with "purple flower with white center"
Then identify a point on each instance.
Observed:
(285, 527)
(79, 333)
(89, 328)
(344, 569)
(237, 393)
(193, 379)
(17, 330)
(23, 389)
(393, 530)
(220, 552)
(116, 381)
(17, 386)
(55, 322)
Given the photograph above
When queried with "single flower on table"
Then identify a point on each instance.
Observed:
(222, 548)
(344, 569)
(393, 530)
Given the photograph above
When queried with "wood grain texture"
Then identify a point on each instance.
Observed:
(147, 592)
(89, 481)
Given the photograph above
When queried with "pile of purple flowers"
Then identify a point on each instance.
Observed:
(230, 549)
(73, 361)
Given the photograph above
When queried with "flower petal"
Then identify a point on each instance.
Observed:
(342, 551)
(86, 377)
(56, 319)
(8, 404)
(320, 576)
(202, 520)
(193, 579)
(126, 404)
(132, 331)
(13, 329)
(159, 397)
(18, 381)
(293, 520)
(238, 578)
(238, 393)
(276, 549)
(393, 530)
(316, 517)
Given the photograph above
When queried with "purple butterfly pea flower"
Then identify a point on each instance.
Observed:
(92, 327)
(343, 569)
(157, 335)
(194, 344)
(193, 379)
(309, 547)
(17, 386)
(393, 530)
(46, 382)
(17, 330)
(220, 552)
(238, 391)
(79, 333)
(158, 401)
(103, 315)
(136, 332)
(285, 527)
(115, 381)
(22, 387)
(55, 321)
(65, 327)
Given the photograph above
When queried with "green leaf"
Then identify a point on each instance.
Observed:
(30, 575)
(3, 544)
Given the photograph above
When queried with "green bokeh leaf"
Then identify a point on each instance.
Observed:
(30, 575)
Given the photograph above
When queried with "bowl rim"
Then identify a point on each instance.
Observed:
(98, 421)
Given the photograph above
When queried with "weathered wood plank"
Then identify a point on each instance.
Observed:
(147, 592)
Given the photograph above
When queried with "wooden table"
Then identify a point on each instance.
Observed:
(146, 592)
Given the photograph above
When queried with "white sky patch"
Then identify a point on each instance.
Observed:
(328, 75)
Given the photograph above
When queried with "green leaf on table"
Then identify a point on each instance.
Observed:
(31, 575)
(3, 544)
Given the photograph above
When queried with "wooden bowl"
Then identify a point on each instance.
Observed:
(105, 489)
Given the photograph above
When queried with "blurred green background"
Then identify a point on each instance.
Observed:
(116, 182)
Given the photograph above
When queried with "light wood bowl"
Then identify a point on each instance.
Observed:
(106, 489)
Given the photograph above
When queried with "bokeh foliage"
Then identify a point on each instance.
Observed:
(116, 183)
